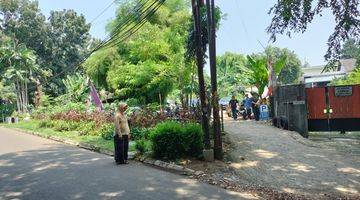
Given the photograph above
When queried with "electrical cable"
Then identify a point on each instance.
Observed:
(120, 25)
(140, 19)
(135, 28)
(102, 12)
(112, 36)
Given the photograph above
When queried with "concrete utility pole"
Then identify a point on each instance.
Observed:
(196, 4)
(210, 6)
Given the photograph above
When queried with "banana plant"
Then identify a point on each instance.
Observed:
(260, 71)
(17, 65)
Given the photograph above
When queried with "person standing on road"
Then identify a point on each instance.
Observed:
(233, 103)
(121, 136)
(256, 101)
(247, 104)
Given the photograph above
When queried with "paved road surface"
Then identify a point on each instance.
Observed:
(286, 161)
(36, 168)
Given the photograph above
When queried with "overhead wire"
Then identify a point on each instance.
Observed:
(125, 23)
(150, 10)
(102, 12)
(136, 27)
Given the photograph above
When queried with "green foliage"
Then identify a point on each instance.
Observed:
(143, 81)
(232, 73)
(98, 65)
(352, 79)
(131, 102)
(138, 133)
(61, 125)
(76, 89)
(193, 139)
(6, 110)
(259, 71)
(46, 124)
(56, 43)
(61, 108)
(86, 128)
(143, 146)
(7, 92)
(173, 140)
(151, 61)
(295, 16)
(106, 131)
(351, 49)
(286, 64)
(17, 67)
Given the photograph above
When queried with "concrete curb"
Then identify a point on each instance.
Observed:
(73, 143)
(157, 163)
(167, 166)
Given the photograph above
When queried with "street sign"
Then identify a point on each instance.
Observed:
(343, 91)
(264, 112)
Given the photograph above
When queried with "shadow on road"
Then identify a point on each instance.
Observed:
(63, 172)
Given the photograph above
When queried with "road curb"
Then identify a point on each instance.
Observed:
(73, 143)
(166, 165)
(156, 163)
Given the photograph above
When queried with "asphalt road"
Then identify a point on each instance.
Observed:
(36, 168)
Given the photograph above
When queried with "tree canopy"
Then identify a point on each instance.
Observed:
(295, 16)
(59, 42)
(149, 63)
(291, 72)
(351, 50)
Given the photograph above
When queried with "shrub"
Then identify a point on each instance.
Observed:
(173, 140)
(106, 131)
(131, 102)
(166, 138)
(65, 125)
(142, 146)
(139, 133)
(86, 128)
(193, 139)
(46, 124)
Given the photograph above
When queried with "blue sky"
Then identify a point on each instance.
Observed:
(241, 32)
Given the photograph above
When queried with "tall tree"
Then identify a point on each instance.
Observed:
(295, 16)
(233, 75)
(59, 42)
(154, 56)
(68, 42)
(17, 66)
(291, 72)
(259, 76)
(351, 49)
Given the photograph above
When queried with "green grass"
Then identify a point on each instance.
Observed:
(96, 141)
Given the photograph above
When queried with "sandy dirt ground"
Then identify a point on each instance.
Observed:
(267, 156)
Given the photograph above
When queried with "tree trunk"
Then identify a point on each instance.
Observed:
(191, 86)
(23, 96)
(26, 96)
(17, 97)
(200, 64)
(214, 95)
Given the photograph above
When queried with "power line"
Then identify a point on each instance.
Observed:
(123, 24)
(135, 28)
(126, 23)
(143, 15)
(102, 12)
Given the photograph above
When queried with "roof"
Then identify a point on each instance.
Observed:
(347, 66)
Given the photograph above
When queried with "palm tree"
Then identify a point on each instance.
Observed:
(17, 64)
